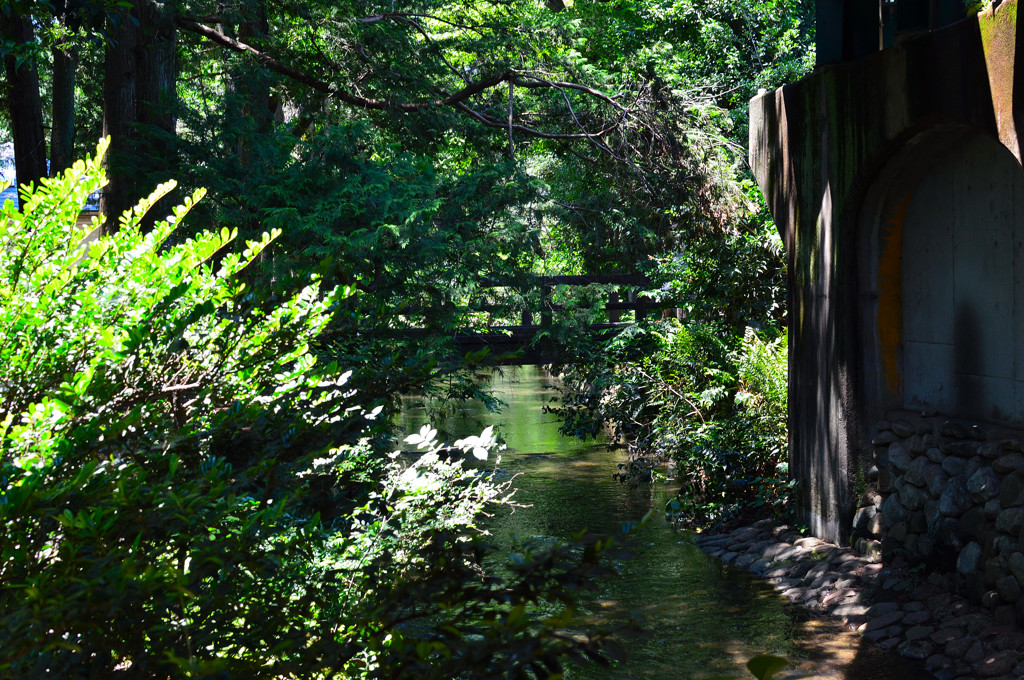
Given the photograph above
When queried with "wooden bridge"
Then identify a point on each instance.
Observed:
(519, 345)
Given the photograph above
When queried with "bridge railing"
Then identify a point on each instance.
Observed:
(624, 297)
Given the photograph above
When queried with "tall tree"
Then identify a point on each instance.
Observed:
(139, 110)
(23, 101)
(65, 65)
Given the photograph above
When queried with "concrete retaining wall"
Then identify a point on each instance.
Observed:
(837, 156)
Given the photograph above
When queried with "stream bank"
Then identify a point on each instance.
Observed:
(702, 618)
(901, 611)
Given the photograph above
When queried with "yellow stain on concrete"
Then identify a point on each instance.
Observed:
(890, 296)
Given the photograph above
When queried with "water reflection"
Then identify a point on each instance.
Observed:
(704, 619)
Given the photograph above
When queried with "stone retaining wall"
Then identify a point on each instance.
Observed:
(948, 498)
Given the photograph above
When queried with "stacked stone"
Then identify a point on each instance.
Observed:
(898, 609)
(954, 506)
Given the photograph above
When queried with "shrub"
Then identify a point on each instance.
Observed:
(708, 392)
(186, 491)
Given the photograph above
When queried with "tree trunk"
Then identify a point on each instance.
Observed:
(139, 107)
(62, 136)
(255, 86)
(24, 103)
(156, 107)
(120, 74)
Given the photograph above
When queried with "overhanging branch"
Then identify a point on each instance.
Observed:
(456, 100)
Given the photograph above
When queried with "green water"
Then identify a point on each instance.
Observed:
(703, 619)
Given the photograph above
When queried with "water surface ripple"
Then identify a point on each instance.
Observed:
(703, 618)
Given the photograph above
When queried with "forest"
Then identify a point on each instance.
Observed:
(300, 203)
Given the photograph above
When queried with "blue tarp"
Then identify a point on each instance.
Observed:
(7, 175)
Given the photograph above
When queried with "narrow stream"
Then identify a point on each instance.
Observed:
(704, 619)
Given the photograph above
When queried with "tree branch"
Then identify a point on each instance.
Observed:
(456, 100)
(334, 91)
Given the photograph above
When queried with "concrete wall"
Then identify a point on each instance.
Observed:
(879, 173)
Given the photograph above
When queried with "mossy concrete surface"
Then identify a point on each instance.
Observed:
(836, 155)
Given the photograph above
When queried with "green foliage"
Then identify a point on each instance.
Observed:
(707, 392)
(185, 491)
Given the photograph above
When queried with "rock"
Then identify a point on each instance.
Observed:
(863, 517)
(975, 653)
(881, 609)
(919, 632)
(795, 594)
(890, 643)
(955, 430)
(775, 549)
(969, 560)
(809, 542)
(1012, 493)
(969, 524)
(1003, 545)
(913, 497)
(939, 601)
(849, 610)
(903, 429)
(893, 512)
(915, 444)
(1008, 637)
(994, 568)
(934, 454)
(954, 500)
(992, 508)
(997, 664)
(836, 598)
(915, 471)
(916, 617)
(881, 633)
(935, 479)
(958, 648)
(937, 662)
(1010, 462)
(886, 479)
(882, 622)
(745, 560)
(1010, 521)
(960, 449)
(972, 466)
(990, 450)
(1011, 443)
(1005, 614)
(883, 438)
(990, 599)
(946, 635)
(916, 649)
(1008, 588)
(875, 527)
(954, 467)
(1016, 566)
(898, 457)
(983, 485)
(870, 549)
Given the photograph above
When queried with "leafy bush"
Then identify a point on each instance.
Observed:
(708, 392)
(186, 491)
